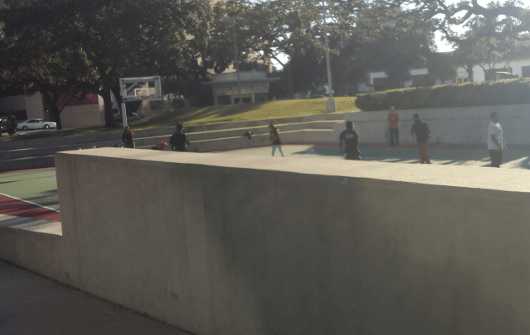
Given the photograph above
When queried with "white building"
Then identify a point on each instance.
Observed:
(377, 81)
(254, 87)
(520, 67)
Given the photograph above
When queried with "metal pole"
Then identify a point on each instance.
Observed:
(123, 115)
(237, 61)
(328, 65)
(331, 106)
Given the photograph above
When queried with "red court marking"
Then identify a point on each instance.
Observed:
(14, 207)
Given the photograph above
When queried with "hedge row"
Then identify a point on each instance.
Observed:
(490, 93)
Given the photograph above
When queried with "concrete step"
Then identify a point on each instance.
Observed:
(27, 163)
(203, 138)
(81, 139)
(265, 122)
(263, 129)
(166, 131)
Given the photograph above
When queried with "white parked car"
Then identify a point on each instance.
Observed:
(35, 124)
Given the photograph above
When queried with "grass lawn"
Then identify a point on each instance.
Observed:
(212, 114)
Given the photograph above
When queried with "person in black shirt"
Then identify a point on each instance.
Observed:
(422, 135)
(350, 139)
(127, 137)
(11, 125)
(275, 139)
(178, 141)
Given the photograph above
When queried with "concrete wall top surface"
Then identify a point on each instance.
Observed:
(219, 244)
(440, 175)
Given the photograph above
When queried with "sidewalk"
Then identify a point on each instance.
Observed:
(33, 305)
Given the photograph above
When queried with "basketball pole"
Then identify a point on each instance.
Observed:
(123, 115)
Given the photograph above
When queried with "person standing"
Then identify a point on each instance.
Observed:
(11, 125)
(127, 138)
(275, 139)
(179, 141)
(496, 143)
(422, 131)
(393, 119)
(350, 139)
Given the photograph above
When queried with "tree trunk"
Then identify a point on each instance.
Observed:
(109, 118)
(57, 116)
(469, 70)
(54, 110)
(290, 81)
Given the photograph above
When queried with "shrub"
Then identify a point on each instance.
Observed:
(490, 93)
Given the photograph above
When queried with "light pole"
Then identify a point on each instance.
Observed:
(234, 19)
(331, 105)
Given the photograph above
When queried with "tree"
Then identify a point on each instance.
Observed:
(283, 28)
(33, 60)
(111, 38)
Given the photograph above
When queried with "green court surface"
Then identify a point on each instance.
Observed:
(36, 186)
(40, 186)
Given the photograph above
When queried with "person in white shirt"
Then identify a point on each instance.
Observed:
(496, 143)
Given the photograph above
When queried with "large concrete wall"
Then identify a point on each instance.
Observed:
(466, 125)
(221, 244)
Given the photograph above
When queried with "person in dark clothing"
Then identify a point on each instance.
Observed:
(11, 125)
(275, 139)
(127, 138)
(422, 131)
(178, 141)
(350, 139)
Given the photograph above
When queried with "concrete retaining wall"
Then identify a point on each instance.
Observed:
(467, 125)
(41, 253)
(261, 140)
(222, 244)
(69, 140)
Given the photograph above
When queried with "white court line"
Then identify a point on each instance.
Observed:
(31, 203)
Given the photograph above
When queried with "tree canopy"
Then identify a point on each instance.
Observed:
(89, 45)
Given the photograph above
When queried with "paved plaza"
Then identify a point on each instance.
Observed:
(512, 159)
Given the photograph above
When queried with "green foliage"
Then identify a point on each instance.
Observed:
(490, 93)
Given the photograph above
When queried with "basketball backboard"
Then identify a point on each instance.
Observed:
(141, 88)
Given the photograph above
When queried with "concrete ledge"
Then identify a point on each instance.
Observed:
(36, 251)
(74, 140)
(258, 245)
(27, 163)
(256, 123)
(116, 135)
(264, 129)
(240, 142)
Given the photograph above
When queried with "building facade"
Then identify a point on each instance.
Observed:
(254, 87)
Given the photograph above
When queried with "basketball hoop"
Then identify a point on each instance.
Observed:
(143, 97)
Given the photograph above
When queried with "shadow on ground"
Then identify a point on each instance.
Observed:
(511, 159)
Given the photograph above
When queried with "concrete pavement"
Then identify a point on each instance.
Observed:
(33, 305)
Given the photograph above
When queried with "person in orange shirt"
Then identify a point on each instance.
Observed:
(393, 119)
